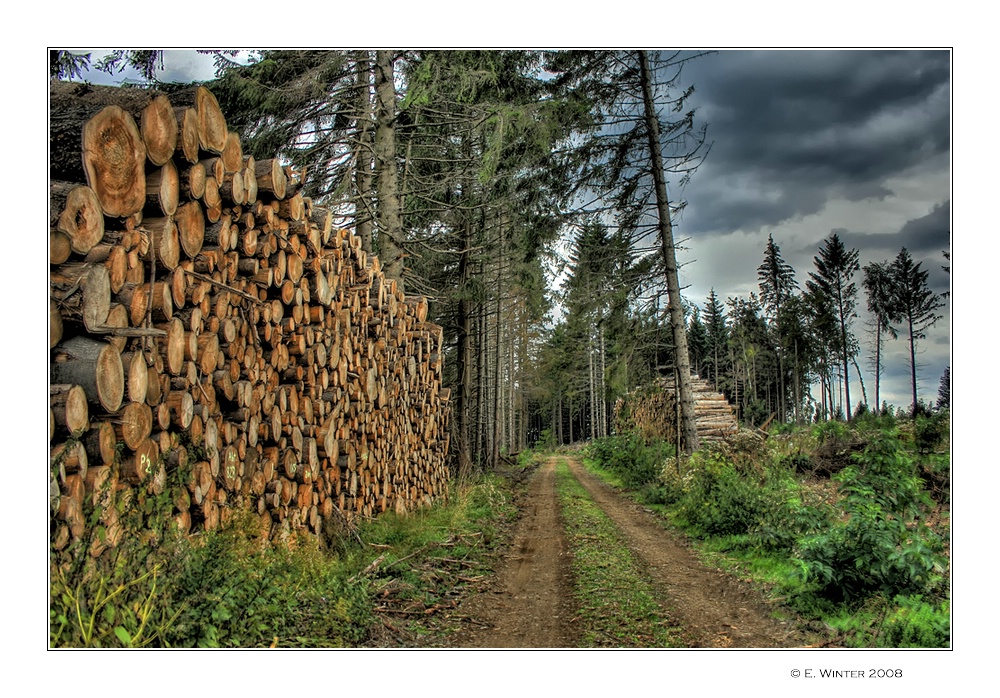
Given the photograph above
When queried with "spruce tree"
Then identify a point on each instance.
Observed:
(776, 280)
(715, 325)
(833, 289)
(878, 287)
(915, 307)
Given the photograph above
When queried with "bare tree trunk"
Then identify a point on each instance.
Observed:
(389, 213)
(363, 211)
(464, 363)
(497, 402)
(593, 388)
(681, 358)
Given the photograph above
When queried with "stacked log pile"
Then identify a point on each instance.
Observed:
(652, 412)
(214, 337)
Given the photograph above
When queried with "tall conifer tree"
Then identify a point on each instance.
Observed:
(832, 286)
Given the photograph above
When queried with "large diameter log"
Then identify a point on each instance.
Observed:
(114, 157)
(77, 213)
(95, 366)
(159, 129)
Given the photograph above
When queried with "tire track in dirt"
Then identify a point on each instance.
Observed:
(714, 609)
(531, 602)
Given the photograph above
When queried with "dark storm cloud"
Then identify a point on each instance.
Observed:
(789, 130)
(924, 236)
(926, 239)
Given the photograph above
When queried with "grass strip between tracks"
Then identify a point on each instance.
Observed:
(617, 603)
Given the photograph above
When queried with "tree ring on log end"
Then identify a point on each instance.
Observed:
(114, 159)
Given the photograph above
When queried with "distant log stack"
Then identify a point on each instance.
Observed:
(214, 337)
(652, 412)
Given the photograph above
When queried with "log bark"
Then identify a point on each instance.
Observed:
(82, 293)
(95, 366)
(270, 176)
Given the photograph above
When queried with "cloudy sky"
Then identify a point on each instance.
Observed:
(806, 143)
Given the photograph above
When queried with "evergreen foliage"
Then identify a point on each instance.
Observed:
(833, 296)
(915, 307)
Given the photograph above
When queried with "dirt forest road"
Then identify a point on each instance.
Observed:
(531, 601)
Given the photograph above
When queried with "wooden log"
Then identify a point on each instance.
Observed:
(77, 214)
(164, 241)
(136, 376)
(181, 405)
(60, 246)
(192, 181)
(191, 228)
(163, 189)
(69, 409)
(187, 136)
(95, 366)
(232, 153)
(83, 293)
(100, 442)
(55, 324)
(133, 424)
(270, 177)
(140, 466)
(114, 158)
(159, 129)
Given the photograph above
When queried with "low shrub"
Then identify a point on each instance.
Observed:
(881, 546)
(718, 500)
(630, 457)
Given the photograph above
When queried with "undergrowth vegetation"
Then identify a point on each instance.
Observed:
(382, 584)
(845, 523)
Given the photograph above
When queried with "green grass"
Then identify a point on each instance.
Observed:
(617, 603)
(392, 582)
(770, 557)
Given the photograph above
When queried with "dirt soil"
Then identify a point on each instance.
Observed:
(530, 602)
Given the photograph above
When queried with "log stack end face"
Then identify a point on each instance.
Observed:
(255, 337)
(114, 158)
